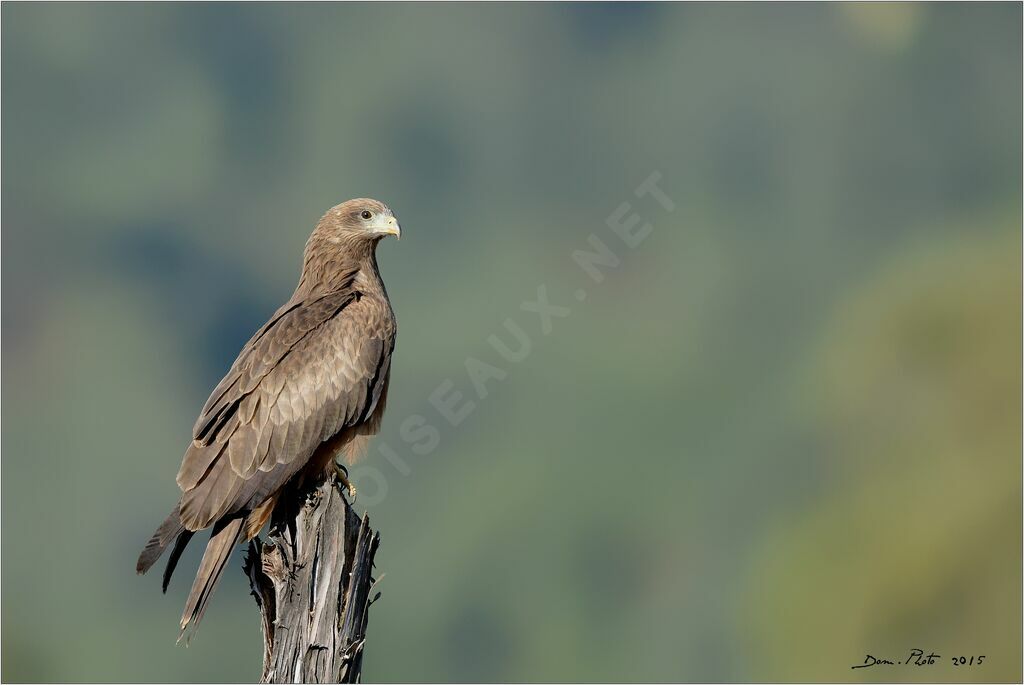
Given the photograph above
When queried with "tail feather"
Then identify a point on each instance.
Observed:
(167, 531)
(172, 561)
(226, 534)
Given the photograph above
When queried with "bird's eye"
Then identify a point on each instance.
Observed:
(366, 214)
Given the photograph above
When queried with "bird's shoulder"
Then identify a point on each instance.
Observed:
(292, 326)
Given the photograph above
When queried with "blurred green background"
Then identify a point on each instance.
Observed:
(783, 433)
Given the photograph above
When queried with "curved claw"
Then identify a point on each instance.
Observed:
(341, 473)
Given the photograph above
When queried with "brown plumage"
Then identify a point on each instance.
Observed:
(310, 385)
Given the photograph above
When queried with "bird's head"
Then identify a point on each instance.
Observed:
(360, 219)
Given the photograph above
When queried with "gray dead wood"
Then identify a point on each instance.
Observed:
(311, 579)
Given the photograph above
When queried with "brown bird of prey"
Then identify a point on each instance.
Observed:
(308, 387)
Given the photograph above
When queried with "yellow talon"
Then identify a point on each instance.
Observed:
(341, 473)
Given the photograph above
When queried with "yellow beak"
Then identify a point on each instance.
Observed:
(388, 226)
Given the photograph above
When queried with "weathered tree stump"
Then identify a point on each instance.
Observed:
(311, 579)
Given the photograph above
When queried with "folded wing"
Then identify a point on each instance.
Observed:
(315, 368)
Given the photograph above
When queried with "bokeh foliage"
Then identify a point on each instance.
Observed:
(784, 432)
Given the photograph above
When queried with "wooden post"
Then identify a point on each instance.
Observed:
(311, 579)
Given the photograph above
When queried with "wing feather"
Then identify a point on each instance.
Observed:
(264, 352)
(313, 371)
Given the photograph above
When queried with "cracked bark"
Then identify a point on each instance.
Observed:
(312, 584)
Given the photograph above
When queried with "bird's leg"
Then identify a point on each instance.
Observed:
(341, 473)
